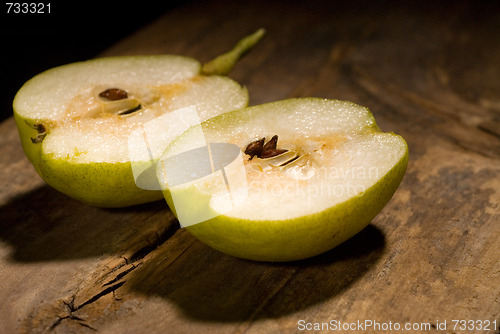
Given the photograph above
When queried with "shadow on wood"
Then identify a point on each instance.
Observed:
(45, 225)
(253, 290)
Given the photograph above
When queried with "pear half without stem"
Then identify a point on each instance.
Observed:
(334, 172)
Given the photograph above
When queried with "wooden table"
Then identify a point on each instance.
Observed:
(428, 72)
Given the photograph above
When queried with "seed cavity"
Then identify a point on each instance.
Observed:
(293, 163)
(130, 111)
(113, 94)
(279, 160)
(42, 132)
(38, 138)
(118, 102)
(290, 161)
(271, 153)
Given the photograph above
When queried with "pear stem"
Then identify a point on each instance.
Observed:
(224, 63)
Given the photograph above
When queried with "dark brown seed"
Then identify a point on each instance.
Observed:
(273, 152)
(113, 94)
(255, 148)
(271, 144)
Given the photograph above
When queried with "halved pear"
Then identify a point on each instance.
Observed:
(94, 129)
(311, 173)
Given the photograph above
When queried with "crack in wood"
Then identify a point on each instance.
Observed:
(159, 237)
(105, 283)
(121, 275)
(491, 130)
(71, 306)
(78, 320)
(101, 294)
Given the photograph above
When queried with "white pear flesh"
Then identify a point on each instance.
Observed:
(346, 172)
(83, 150)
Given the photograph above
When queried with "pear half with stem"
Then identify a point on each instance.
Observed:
(79, 123)
(313, 173)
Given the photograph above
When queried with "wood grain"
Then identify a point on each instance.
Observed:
(429, 72)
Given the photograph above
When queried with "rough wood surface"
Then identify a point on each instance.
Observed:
(428, 71)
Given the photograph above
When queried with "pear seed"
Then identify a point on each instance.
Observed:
(113, 94)
(255, 148)
(269, 150)
(271, 144)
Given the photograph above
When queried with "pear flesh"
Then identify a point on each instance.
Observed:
(331, 173)
(77, 134)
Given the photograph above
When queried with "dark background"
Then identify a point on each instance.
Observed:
(73, 31)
